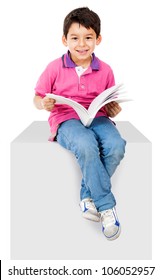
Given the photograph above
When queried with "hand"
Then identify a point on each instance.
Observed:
(48, 103)
(112, 109)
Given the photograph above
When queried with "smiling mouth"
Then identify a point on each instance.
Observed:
(82, 51)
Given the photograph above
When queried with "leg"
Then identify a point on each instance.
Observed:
(82, 142)
(111, 145)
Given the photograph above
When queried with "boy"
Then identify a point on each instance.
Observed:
(99, 148)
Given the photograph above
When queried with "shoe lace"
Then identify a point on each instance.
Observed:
(108, 215)
(90, 203)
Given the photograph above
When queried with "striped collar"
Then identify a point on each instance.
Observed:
(68, 62)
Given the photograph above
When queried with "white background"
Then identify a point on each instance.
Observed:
(30, 36)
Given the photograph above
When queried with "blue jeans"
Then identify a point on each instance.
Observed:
(98, 149)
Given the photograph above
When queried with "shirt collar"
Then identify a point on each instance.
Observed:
(68, 62)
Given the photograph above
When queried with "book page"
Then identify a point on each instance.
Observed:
(80, 110)
(116, 99)
(115, 93)
(98, 102)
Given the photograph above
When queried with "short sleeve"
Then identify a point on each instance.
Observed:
(46, 80)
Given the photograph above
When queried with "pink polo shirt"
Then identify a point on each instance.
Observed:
(60, 78)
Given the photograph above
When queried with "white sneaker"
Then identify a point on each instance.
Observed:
(110, 224)
(89, 210)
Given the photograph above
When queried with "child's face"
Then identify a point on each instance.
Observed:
(81, 43)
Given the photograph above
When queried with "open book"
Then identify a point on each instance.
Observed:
(115, 93)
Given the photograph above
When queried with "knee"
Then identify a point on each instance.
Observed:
(118, 147)
(114, 148)
(87, 151)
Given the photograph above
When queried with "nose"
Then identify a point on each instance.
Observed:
(81, 42)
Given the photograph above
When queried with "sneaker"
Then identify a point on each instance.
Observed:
(110, 224)
(89, 210)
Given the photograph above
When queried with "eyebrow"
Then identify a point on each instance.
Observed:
(89, 34)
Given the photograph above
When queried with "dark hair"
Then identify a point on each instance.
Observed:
(85, 17)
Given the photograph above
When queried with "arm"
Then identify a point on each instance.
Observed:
(44, 103)
(112, 109)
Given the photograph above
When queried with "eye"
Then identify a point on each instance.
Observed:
(89, 38)
(74, 38)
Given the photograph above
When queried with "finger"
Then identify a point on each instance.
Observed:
(49, 107)
(113, 104)
(113, 111)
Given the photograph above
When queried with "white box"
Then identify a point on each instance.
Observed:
(46, 221)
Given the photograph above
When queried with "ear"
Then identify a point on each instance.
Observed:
(98, 40)
(64, 41)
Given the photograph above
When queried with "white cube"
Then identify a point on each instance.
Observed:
(46, 221)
